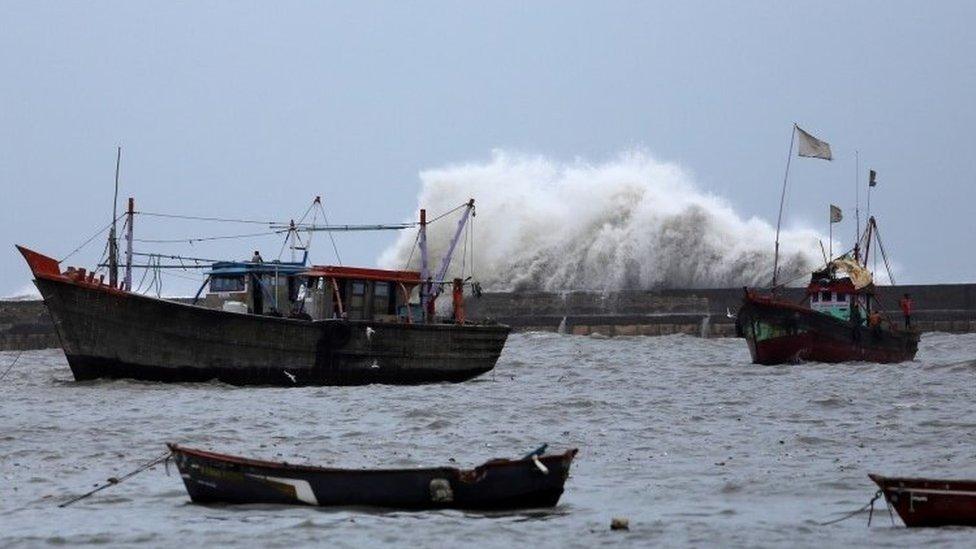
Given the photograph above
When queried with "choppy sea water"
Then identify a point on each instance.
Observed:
(683, 436)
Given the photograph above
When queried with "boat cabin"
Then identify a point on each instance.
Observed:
(255, 287)
(359, 294)
(834, 297)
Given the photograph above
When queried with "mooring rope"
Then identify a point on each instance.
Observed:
(16, 358)
(112, 481)
(868, 505)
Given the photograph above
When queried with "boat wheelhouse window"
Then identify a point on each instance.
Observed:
(815, 297)
(357, 299)
(381, 298)
(824, 296)
(842, 298)
(227, 283)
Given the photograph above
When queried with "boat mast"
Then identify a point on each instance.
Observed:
(868, 235)
(782, 198)
(446, 262)
(424, 270)
(857, 206)
(113, 245)
(130, 217)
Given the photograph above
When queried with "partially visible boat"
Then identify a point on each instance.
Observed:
(922, 502)
(534, 481)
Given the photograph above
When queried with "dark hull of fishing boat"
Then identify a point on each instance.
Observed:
(930, 502)
(500, 484)
(779, 332)
(107, 333)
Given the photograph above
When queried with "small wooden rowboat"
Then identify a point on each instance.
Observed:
(500, 484)
(930, 502)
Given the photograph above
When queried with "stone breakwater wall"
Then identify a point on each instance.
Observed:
(704, 313)
(25, 325)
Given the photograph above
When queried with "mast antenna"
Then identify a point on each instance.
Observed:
(113, 245)
(857, 204)
(130, 218)
(782, 198)
(425, 287)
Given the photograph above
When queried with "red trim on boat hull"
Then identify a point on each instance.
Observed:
(47, 268)
(40, 264)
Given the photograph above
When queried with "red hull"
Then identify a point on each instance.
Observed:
(808, 347)
(930, 502)
(780, 332)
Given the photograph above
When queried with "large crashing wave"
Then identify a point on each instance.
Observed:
(631, 223)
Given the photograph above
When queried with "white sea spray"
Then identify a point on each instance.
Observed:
(629, 223)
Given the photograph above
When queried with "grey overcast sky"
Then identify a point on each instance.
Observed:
(248, 109)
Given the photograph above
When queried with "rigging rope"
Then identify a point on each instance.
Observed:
(184, 277)
(205, 238)
(416, 239)
(877, 236)
(205, 218)
(155, 282)
(284, 243)
(293, 232)
(92, 237)
(447, 213)
(154, 263)
(331, 237)
(464, 250)
(102, 259)
(145, 272)
(180, 257)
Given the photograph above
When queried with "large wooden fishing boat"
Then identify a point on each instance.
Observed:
(922, 502)
(533, 481)
(838, 320)
(269, 324)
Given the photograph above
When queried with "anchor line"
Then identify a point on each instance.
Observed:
(117, 480)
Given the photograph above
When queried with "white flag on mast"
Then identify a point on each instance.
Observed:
(836, 216)
(811, 147)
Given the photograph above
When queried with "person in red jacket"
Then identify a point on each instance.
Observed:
(906, 309)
